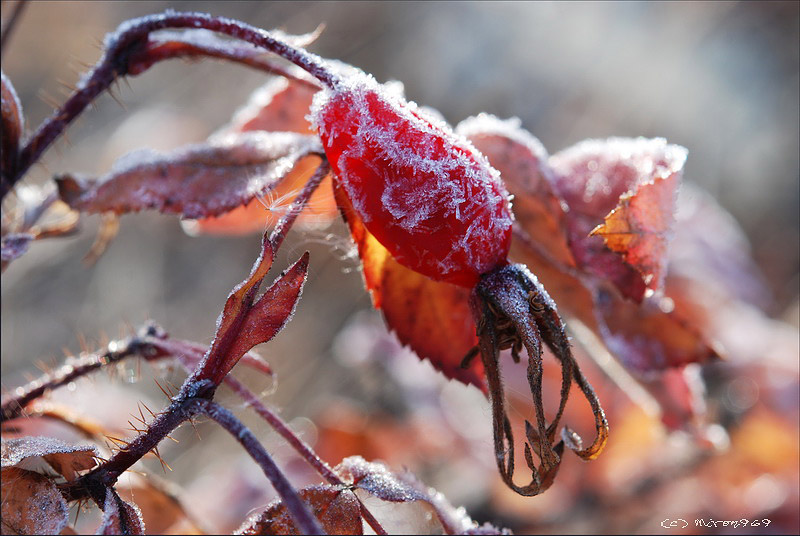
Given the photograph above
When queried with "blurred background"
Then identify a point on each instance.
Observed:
(720, 78)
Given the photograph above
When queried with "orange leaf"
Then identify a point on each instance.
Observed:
(431, 317)
(264, 211)
(31, 503)
(639, 228)
(280, 105)
(592, 177)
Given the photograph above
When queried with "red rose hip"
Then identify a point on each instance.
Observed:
(425, 193)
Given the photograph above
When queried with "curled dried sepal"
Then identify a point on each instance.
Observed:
(513, 311)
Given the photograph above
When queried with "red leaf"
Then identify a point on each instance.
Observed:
(280, 105)
(337, 509)
(432, 318)
(31, 503)
(13, 125)
(650, 337)
(522, 162)
(592, 177)
(195, 181)
(120, 517)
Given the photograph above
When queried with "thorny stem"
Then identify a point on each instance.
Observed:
(129, 39)
(198, 390)
(74, 368)
(305, 522)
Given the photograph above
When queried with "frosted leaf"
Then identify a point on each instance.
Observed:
(29, 452)
(379, 482)
(336, 509)
(197, 180)
(31, 503)
(14, 245)
(593, 174)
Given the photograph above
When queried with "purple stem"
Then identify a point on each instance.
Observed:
(128, 40)
(305, 522)
(285, 432)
